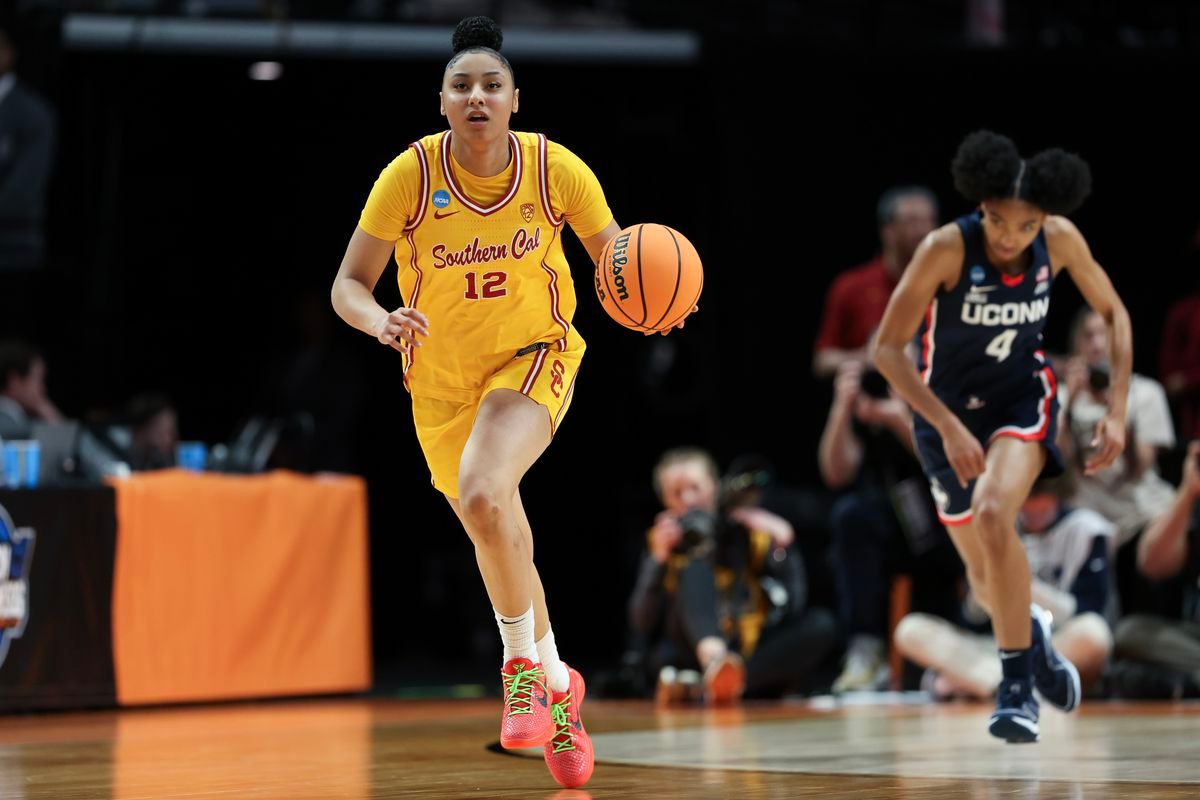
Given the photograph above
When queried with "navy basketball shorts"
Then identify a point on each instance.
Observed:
(1030, 416)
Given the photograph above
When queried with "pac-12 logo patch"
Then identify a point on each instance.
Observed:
(16, 554)
(527, 211)
(977, 274)
(441, 198)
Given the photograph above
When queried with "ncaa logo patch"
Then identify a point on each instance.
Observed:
(16, 554)
(977, 274)
(441, 198)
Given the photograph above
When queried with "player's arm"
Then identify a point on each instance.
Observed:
(936, 265)
(594, 244)
(1071, 250)
(354, 299)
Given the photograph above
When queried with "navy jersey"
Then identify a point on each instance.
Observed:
(979, 351)
(981, 341)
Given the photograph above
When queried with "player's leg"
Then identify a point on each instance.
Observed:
(509, 433)
(569, 755)
(1012, 467)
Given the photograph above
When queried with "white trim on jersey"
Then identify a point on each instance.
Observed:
(424, 162)
(955, 519)
(544, 179)
(452, 182)
(1042, 424)
(409, 350)
(930, 339)
(534, 371)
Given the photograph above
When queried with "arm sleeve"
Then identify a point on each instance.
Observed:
(575, 193)
(1091, 584)
(393, 198)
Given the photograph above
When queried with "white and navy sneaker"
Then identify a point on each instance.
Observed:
(1016, 717)
(1055, 677)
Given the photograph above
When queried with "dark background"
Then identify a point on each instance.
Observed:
(197, 219)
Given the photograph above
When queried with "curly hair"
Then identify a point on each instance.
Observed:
(987, 166)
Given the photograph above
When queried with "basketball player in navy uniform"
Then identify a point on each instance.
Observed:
(976, 296)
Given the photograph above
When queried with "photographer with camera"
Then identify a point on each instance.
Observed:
(722, 587)
(885, 524)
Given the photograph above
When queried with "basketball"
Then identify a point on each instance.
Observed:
(649, 277)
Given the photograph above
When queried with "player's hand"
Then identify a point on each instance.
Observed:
(680, 325)
(401, 324)
(759, 519)
(665, 534)
(1108, 443)
(964, 452)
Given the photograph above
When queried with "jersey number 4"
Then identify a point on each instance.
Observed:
(493, 286)
(1001, 346)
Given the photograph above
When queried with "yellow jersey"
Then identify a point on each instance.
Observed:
(482, 258)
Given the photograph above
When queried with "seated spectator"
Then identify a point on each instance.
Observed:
(884, 525)
(1160, 657)
(1130, 493)
(1068, 550)
(856, 299)
(722, 590)
(23, 398)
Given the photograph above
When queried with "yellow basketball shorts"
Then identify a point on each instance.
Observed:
(443, 426)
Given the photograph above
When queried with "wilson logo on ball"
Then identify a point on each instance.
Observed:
(618, 261)
(649, 278)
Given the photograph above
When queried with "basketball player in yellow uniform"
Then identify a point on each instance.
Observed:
(475, 216)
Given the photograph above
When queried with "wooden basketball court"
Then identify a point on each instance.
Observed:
(394, 748)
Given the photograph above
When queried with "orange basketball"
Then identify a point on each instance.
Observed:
(649, 277)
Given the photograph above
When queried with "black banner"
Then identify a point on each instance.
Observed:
(56, 567)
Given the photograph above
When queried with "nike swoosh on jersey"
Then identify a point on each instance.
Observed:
(440, 215)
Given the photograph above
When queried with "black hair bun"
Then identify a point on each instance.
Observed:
(986, 166)
(1058, 181)
(477, 32)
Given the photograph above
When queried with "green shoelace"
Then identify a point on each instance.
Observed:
(562, 726)
(518, 689)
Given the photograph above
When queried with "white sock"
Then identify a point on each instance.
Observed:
(557, 677)
(517, 635)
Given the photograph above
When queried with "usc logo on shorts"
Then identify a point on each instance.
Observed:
(556, 377)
